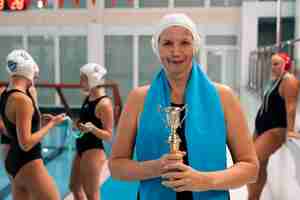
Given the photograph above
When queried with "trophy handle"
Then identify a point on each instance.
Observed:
(163, 118)
(185, 114)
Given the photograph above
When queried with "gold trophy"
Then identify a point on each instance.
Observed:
(171, 117)
(173, 121)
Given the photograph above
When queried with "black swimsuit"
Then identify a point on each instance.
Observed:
(87, 114)
(16, 157)
(4, 139)
(272, 113)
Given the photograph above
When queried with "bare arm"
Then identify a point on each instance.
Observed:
(23, 119)
(2, 127)
(289, 92)
(104, 112)
(121, 164)
(245, 168)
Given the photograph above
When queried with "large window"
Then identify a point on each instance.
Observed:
(69, 4)
(73, 54)
(119, 61)
(119, 3)
(42, 50)
(165, 3)
(221, 40)
(232, 70)
(148, 62)
(8, 43)
(234, 2)
(189, 3)
(153, 3)
(224, 3)
(267, 30)
(214, 66)
(130, 3)
(222, 66)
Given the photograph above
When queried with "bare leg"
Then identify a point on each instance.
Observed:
(265, 145)
(91, 165)
(255, 189)
(75, 180)
(34, 178)
(19, 193)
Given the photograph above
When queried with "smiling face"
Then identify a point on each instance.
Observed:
(176, 49)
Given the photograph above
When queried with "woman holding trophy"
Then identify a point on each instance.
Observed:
(180, 126)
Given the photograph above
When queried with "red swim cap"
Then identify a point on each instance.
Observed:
(287, 60)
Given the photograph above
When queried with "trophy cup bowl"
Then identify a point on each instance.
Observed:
(173, 121)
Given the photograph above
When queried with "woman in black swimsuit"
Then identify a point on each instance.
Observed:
(275, 118)
(4, 139)
(21, 117)
(96, 123)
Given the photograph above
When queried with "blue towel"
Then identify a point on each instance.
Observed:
(205, 132)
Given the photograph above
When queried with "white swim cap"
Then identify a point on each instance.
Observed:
(20, 62)
(94, 73)
(176, 19)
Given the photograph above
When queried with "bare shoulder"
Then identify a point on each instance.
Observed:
(139, 92)
(229, 100)
(290, 80)
(289, 86)
(289, 76)
(136, 98)
(232, 109)
(225, 92)
(104, 105)
(20, 99)
(105, 102)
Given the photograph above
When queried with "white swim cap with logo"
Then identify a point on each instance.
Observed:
(94, 73)
(176, 19)
(20, 62)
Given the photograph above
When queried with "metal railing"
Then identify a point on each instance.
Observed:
(260, 64)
